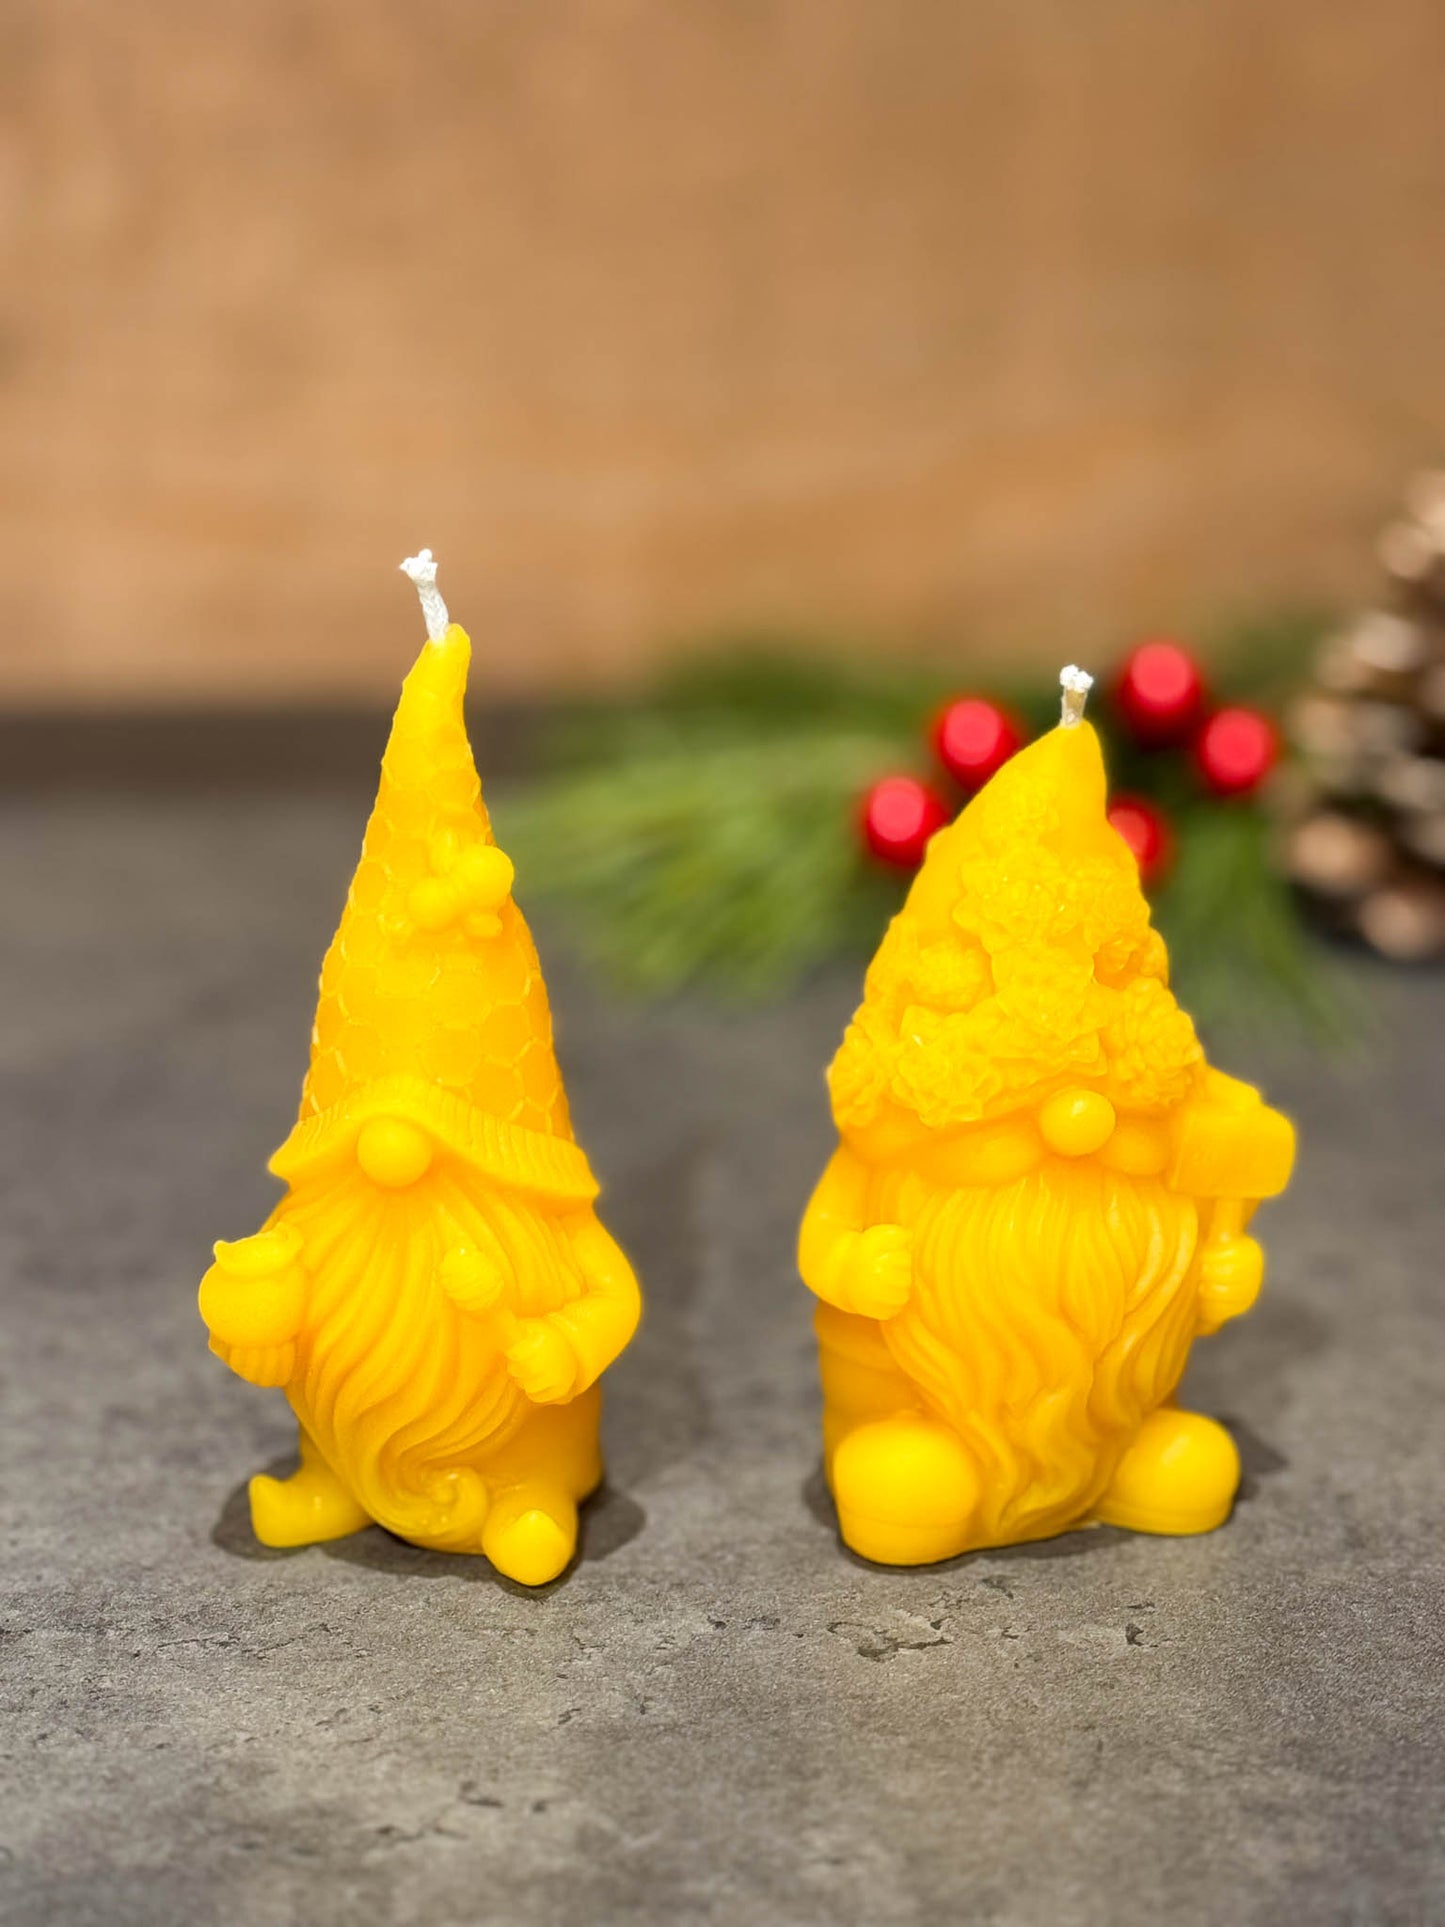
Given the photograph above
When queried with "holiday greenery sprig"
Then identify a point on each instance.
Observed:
(761, 813)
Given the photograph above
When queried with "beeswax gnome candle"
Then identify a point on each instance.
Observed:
(434, 1292)
(1039, 1198)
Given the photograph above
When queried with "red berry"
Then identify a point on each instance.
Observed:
(1146, 829)
(900, 814)
(975, 738)
(1237, 749)
(1160, 692)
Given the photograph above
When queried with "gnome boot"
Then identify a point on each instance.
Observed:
(905, 1489)
(1179, 1475)
(309, 1507)
(531, 1533)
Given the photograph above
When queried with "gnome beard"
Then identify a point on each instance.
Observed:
(405, 1394)
(1042, 1331)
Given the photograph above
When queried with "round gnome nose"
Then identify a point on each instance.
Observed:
(392, 1151)
(1076, 1123)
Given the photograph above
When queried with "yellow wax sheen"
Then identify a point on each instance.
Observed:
(1038, 1199)
(990, 1154)
(435, 1292)
(1075, 1122)
(393, 1151)
(1138, 1146)
(983, 1154)
(993, 1154)
(1231, 1144)
(253, 1294)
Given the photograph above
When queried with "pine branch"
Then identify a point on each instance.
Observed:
(721, 860)
(1238, 947)
(710, 834)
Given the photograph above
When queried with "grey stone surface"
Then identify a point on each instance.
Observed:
(718, 1715)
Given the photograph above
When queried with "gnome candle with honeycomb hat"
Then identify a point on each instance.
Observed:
(434, 1292)
(1040, 1196)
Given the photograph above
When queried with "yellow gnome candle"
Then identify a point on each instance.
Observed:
(1039, 1198)
(434, 1292)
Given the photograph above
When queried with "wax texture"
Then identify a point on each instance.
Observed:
(1039, 1197)
(435, 1292)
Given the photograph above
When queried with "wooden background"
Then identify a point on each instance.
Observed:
(1004, 323)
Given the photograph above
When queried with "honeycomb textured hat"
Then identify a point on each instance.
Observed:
(432, 1004)
(1023, 960)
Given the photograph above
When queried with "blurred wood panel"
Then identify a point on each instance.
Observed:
(1006, 320)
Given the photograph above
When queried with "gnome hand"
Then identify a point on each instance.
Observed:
(1231, 1271)
(541, 1362)
(875, 1270)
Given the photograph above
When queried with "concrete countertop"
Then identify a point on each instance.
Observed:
(718, 1715)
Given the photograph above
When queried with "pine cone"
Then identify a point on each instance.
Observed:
(1365, 836)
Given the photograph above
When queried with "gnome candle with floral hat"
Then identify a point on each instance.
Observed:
(434, 1292)
(1040, 1195)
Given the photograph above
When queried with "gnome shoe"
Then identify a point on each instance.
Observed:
(905, 1489)
(1179, 1475)
(531, 1533)
(306, 1509)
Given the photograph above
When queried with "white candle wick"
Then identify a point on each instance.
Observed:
(1076, 684)
(423, 572)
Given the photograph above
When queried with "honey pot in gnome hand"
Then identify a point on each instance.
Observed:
(434, 1292)
(1039, 1198)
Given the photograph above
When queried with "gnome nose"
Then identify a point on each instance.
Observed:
(1075, 1123)
(393, 1151)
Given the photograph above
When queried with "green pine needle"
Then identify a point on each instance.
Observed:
(1239, 951)
(731, 862)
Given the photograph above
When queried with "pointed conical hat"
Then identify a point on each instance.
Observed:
(432, 1005)
(1022, 961)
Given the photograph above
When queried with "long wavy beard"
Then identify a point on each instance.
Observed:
(1048, 1318)
(406, 1396)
